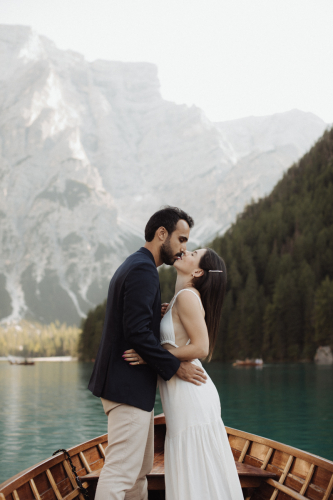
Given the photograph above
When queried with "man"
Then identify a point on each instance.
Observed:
(132, 321)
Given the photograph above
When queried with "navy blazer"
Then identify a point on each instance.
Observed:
(132, 321)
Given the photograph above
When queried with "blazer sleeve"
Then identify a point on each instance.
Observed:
(141, 287)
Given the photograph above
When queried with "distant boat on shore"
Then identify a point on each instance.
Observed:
(248, 362)
(19, 360)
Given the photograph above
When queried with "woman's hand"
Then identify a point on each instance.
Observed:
(164, 307)
(133, 357)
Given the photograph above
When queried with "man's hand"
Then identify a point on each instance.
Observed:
(191, 373)
(133, 357)
(164, 307)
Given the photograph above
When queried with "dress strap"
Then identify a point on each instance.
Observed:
(188, 290)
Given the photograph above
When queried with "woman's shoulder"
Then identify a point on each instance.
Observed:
(189, 299)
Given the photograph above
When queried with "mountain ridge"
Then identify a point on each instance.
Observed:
(88, 151)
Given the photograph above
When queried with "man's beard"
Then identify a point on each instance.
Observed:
(166, 253)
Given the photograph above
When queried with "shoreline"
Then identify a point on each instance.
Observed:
(46, 359)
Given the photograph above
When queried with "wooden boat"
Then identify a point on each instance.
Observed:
(248, 362)
(268, 470)
(24, 361)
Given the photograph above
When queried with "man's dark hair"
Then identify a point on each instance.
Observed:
(167, 217)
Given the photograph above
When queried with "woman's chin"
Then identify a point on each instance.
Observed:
(179, 268)
(177, 265)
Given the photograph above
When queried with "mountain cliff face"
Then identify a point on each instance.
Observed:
(88, 151)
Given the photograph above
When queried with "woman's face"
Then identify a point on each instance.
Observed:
(189, 262)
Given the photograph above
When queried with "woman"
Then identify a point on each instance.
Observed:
(198, 460)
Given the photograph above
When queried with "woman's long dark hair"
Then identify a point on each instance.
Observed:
(212, 287)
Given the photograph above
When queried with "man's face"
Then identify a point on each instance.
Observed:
(175, 243)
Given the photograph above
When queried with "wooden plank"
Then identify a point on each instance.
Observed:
(237, 443)
(25, 493)
(92, 476)
(92, 455)
(42, 484)
(80, 470)
(53, 484)
(244, 450)
(283, 476)
(294, 482)
(267, 458)
(304, 455)
(72, 478)
(329, 489)
(307, 480)
(250, 471)
(34, 489)
(286, 490)
(101, 449)
(58, 473)
(286, 469)
(159, 419)
(73, 494)
(258, 450)
(250, 482)
(156, 482)
(97, 465)
(279, 459)
(85, 463)
(15, 495)
(300, 468)
(69, 473)
(249, 476)
(250, 460)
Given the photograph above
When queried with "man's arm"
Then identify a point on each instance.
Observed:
(141, 286)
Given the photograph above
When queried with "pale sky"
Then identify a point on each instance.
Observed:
(232, 58)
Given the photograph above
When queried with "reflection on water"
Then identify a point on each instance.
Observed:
(47, 406)
(43, 408)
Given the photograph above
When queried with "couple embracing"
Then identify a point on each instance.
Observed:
(138, 348)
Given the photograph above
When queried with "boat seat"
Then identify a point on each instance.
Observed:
(250, 477)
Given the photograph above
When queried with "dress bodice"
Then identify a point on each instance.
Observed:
(167, 331)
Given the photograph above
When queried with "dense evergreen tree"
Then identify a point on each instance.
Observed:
(279, 256)
(91, 334)
(323, 312)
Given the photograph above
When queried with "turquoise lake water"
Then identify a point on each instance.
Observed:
(47, 406)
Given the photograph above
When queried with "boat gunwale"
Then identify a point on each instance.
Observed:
(14, 482)
(285, 448)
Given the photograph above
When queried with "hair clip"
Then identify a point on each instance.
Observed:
(215, 271)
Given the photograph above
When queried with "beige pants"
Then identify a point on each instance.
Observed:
(129, 455)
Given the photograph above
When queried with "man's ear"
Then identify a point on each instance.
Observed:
(161, 233)
(197, 273)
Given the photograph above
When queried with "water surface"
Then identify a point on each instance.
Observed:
(47, 406)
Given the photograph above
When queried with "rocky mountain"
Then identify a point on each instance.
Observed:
(89, 150)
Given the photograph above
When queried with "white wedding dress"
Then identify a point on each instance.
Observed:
(198, 460)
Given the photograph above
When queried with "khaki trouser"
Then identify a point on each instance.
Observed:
(129, 455)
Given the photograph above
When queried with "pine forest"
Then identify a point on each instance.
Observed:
(279, 257)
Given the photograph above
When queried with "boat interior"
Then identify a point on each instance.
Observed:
(267, 470)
